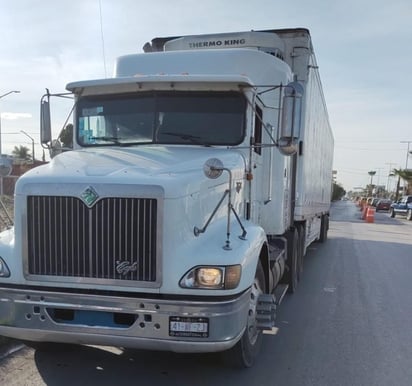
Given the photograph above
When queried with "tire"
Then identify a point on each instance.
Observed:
(301, 248)
(324, 227)
(392, 213)
(409, 215)
(292, 260)
(244, 353)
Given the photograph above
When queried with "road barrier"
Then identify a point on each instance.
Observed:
(370, 214)
(364, 210)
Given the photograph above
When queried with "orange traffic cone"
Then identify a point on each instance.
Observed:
(370, 214)
(364, 212)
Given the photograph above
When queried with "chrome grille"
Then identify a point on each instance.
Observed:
(67, 238)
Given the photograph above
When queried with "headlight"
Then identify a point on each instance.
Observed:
(4, 271)
(211, 277)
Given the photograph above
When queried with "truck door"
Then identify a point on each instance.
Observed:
(260, 184)
(272, 172)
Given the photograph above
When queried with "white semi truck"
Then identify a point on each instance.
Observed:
(198, 176)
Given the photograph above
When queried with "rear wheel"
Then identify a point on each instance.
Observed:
(292, 260)
(244, 353)
(409, 215)
(392, 212)
(324, 227)
(301, 249)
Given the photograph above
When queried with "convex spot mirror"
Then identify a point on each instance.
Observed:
(213, 168)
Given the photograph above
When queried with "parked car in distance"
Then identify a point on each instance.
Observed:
(374, 201)
(383, 204)
(402, 207)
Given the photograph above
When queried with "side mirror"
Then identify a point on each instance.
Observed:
(291, 118)
(45, 122)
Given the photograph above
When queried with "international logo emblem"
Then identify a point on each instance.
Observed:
(89, 196)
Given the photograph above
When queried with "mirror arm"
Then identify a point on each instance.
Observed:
(197, 231)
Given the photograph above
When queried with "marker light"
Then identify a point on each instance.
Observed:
(4, 271)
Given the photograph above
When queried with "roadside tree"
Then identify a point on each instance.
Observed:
(21, 153)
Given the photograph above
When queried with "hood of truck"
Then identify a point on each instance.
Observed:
(177, 169)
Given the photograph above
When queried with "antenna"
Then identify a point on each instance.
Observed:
(102, 36)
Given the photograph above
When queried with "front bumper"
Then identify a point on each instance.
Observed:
(131, 322)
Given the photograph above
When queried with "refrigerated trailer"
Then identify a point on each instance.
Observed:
(198, 176)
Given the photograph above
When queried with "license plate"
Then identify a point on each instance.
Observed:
(189, 327)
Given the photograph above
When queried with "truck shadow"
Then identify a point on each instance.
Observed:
(89, 365)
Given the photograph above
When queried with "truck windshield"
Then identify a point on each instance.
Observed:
(212, 118)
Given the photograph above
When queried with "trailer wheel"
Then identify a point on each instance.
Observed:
(244, 353)
(292, 260)
(324, 227)
(301, 249)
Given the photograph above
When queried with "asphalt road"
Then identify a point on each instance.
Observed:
(348, 324)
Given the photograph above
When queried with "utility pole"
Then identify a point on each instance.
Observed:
(407, 153)
(389, 174)
(406, 163)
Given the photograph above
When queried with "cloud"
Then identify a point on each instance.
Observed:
(15, 116)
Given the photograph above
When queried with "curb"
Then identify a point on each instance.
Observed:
(9, 346)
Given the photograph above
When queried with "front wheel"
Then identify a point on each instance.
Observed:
(409, 215)
(392, 213)
(244, 353)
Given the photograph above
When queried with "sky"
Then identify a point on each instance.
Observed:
(363, 49)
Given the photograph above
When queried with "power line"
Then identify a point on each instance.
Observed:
(102, 36)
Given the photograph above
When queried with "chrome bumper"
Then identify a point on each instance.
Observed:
(37, 316)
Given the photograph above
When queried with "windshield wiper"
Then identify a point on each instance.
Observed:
(114, 140)
(188, 137)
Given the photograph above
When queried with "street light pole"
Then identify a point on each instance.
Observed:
(407, 153)
(2, 96)
(406, 163)
(32, 143)
(377, 183)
